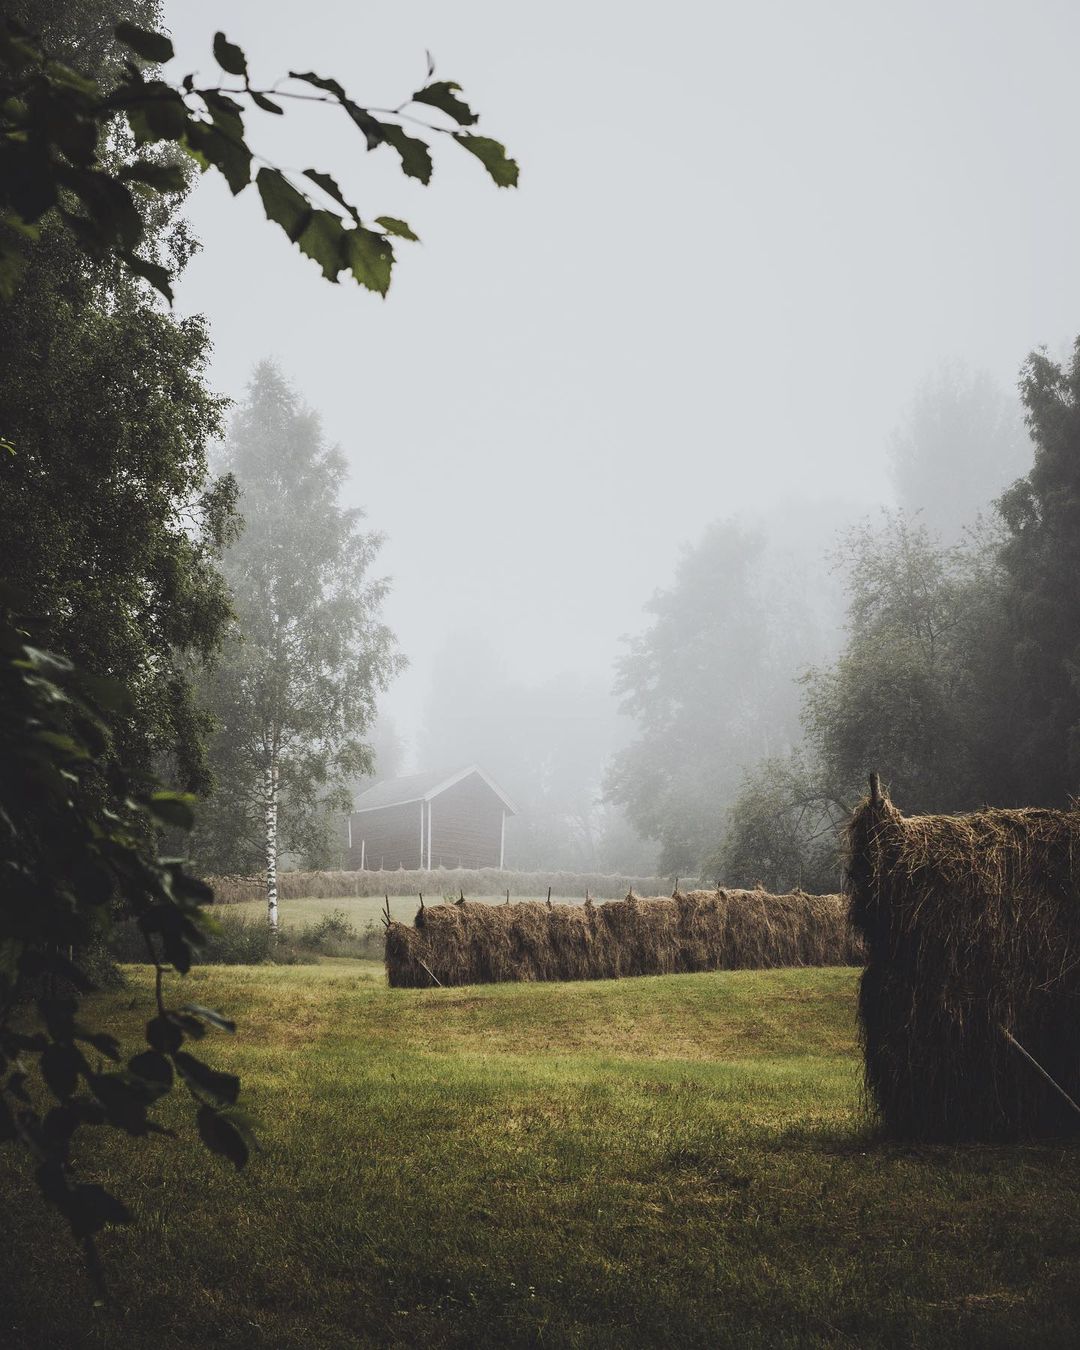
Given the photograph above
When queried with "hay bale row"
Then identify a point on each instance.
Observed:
(468, 943)
(972, 931)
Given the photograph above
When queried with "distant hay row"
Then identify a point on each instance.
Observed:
(972, 932)
(440, 881)
(468, 943)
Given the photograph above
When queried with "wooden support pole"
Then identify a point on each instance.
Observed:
(1039, 1068)
(875, 789)
(432, 973)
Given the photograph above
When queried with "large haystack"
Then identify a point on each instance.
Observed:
(972, 933)
(468, 943)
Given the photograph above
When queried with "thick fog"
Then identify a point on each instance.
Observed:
(747, 241)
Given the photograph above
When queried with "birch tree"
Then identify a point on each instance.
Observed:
(295, 692)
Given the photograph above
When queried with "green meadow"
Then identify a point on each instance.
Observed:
(671, 1161)
(361, 910)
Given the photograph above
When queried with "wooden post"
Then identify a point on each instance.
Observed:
(1038, 1067)
(675, 892)
(875, 789)
(549, 895)
(432, 974)
(508, 895)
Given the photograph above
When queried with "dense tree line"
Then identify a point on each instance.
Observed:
(113, 599)
(956, 678)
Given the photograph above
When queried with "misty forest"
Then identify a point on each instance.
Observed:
(540, 730)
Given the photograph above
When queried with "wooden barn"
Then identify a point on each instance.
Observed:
(425, 820)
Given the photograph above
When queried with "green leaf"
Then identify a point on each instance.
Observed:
(164, 1035)
(443, 95)
(370, 258)
(415, 154)
(501, 168)
(209, 1015)
(159, 115)
(282, 203)
(221, 1088)
(222, 146)
(331, 188)
(223, 1135)
(266, 104)
(143, 42)
(160, 177)
(322, 241)
(60, 1065)
(111, 212)
(173, 808)
(67, 745)
(398, 227)
(125, 1100)
(88, 1208)
(229, 56)
(154, 1068)
(105, 1044)
(159, 277)
(330, 86)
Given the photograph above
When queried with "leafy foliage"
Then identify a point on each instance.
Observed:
(67, 859)
(54, 127)
(921, 693)
(711, 686)
(782, 831)
(294, 692)
(112, 523)
(904, 696)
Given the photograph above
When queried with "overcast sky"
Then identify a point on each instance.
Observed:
(743, 235)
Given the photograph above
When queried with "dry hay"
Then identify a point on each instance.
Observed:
(972, 931)
(468, 943)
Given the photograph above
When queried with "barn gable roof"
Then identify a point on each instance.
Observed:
(422, 787)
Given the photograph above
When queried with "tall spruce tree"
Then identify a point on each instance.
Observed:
(1042, 561)
(295, 690)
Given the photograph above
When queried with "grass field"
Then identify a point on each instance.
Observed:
(674, 1161)
(361, 910)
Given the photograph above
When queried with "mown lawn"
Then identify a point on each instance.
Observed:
(678, 1161)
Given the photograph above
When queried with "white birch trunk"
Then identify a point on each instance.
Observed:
(271, 845)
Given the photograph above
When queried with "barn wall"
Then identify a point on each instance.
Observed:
(466, 825)
(392, 834)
